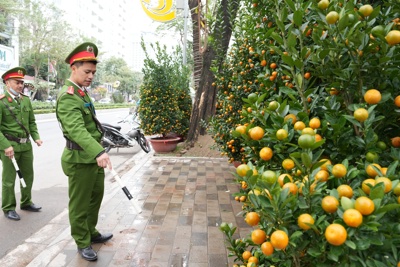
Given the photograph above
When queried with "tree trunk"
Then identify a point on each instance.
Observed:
(195, 11)
(205, 98)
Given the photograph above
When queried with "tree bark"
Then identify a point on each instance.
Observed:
(195, 12)
(205, 98)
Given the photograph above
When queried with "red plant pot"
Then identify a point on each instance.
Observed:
(164, 144)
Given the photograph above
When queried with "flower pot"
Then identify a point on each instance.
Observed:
(164, 144)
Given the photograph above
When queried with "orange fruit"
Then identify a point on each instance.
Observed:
(282, 177)
(397, 101)
(326, 163)
(246, 255)
(386, 182)
(281, 134)
(333, 91)
(290, 116)
(364, 205)
(332, 17)
(241, 129)
(396, 190)
(288, 164)
(266, 153)
(299, 125)
(365, 187)
(263, 63)
(306, 141)
(384, 170)
(258, 236)
(361, 114)
(304, 219)
(345, 190)
(242, 169)
(292, 188)
(372, 96)
(323, 4)
(256, 133)
(307, 75)
(269, 176)
(252, 260)
(352, 217)
(308, 130)
(393, 37)
(314, 123)
(396, 141)
(279, 239)
(330, 204)
(366, 10)
(252, 218)
(335, 234)
(318, 137)
(371, 171)
(339, 170)
(267, 248)
(273, 66)
(322, 176)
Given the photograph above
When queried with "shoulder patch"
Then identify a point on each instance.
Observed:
(2, 96)
(70, 90)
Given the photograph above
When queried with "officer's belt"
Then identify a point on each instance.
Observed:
(17, 139)
(72, 145)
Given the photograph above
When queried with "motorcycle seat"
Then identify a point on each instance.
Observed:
(112, 126)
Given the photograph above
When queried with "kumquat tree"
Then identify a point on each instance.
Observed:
(309, 106)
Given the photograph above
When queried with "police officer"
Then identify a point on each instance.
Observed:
(83, 159)
(17, 125)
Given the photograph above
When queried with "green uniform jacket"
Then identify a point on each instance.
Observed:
(74, 112)
(8, 125)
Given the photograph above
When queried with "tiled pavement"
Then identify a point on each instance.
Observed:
(183, 200)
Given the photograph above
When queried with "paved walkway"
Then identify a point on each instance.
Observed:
(183, 200)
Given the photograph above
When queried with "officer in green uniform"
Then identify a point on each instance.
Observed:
(17, 125)
(83, 159)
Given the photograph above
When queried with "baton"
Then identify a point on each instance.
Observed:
(21, 178)
(126, 191)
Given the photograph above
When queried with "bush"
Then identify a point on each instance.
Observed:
(165, 103)
(296, 64)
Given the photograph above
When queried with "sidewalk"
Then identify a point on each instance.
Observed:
(183, 200)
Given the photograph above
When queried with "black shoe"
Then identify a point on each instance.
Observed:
(102, 238)
(88, 253)
(12, 215)
(31, 207)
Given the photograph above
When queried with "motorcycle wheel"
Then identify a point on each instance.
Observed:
(144, 144)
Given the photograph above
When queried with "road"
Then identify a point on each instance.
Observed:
(50, 186)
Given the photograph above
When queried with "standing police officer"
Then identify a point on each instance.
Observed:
(17, 125)
(83, 159)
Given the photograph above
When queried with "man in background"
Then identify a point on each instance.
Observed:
(17, 125)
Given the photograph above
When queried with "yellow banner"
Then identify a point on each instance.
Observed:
(163, 11)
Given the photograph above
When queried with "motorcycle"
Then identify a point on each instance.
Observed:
(113, 138)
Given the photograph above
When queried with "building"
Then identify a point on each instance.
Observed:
(108, 22)
(9, 49)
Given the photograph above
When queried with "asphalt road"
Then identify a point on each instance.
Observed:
(50, 186)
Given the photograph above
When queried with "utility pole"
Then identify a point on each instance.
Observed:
(185, 17)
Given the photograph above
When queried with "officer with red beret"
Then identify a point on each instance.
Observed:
(17, 126)
(83, 159)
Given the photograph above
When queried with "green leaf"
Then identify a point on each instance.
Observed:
(306, 159)
(288, 60)
(377, 192)
(277, 38)
(387, 208)
(350, 244)
(290, 4)
(298, 17)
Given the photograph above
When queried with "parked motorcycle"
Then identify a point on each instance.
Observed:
(113, 138)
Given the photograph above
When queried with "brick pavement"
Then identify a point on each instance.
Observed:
(184, 200)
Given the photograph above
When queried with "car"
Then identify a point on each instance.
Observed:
(105, 101)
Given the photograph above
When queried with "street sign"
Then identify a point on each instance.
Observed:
(6, 58)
